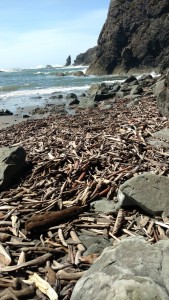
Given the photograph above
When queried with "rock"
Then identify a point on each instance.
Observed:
(74, 102)
(25, 116)
(136, 90)
(133, 269)
(12, 162)
(147, 191)
(159, 136)
(68, 61)
(130, 79)
(71, 96)
(60, 74)
(49, 67)
(103, 205)
(116, 87)
(125, 87)
(162, 92)
(94, 244)
(134, 37)
(5, 112)
(86, 58)
(145, 77)
(79, 73)
(87, 102)
(100, 92)
(56, 96)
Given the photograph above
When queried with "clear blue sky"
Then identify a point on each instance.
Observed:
(40, 32)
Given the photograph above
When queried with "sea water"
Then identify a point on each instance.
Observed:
(21, 88)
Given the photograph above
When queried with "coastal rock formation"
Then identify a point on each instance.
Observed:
(86, 58)
(12, 162)
(68, 61)
(133, 269)
(135, 35)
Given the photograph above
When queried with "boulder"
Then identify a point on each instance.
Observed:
(100, 92)
(74, 101)
(162, 92)
(136, 90)
(132, 269)
(5, 112)
(71, 96)
(130, 79)
(79, 74)
(94, 244)
(147, 191)
(102, 205)
(12, 162)
(158, 138)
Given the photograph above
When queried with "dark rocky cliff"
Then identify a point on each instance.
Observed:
(135, 35)
(86, 58)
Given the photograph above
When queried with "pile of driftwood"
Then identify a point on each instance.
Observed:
(72, 161)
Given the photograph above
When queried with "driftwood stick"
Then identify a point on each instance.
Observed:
(52, 217)
(62, 275)
(37, 261)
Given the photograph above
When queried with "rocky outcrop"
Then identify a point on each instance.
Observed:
(134, 36)
(133, 269)
(12, 162)
(68, 61)
(86, 58)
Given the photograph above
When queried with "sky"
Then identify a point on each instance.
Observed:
(41, 32)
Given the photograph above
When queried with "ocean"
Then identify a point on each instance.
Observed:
(24, 88)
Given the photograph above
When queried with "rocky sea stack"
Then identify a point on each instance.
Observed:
(86, 58)
(135, 36)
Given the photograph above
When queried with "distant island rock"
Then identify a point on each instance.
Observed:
(68, 61)
(49, 67)
(135, 36)
(86, 58)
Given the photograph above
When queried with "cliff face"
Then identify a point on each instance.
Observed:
(135, 35)
(86, 58)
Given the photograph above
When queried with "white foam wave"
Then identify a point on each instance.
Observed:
(10, 70)
(44, 73)
(39, 91)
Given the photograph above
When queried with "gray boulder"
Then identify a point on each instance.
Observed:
(12, 162)
(148, 191)
(130, 270)
(162, 92)
(158, 140)
(100, 92)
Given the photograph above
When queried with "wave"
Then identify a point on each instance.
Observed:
(10, 70)
(45, 91)
(41, 73)
(10, 88)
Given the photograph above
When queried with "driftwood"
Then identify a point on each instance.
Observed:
(34, 262)
(71, 161)
(51, 218)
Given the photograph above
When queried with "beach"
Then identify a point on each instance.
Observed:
(67, 195)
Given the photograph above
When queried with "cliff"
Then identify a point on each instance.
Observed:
(86, 58)
(134, 36)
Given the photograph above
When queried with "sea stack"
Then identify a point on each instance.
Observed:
(68, 61)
